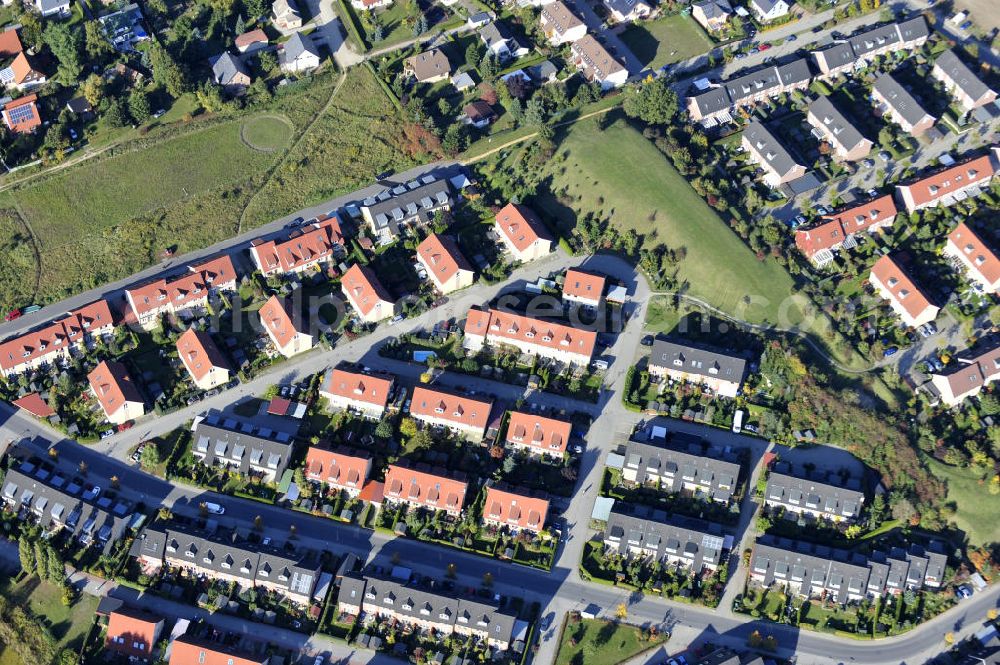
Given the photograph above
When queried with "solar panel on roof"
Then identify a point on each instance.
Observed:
(20, 114)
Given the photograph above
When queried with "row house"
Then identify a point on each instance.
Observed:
(188, 650)
(717, 103)
(366, 294)
(243, 446)
(411, 204)
(968, 373)
(686, 464)
(227, 556)
(765, 150)
(857, 51)
(907, 300)
(460, 413)
(341, 469)
(837, 230)
(545, 339)
(597, 65)
(522, 233)
(308, 247)
(515, 508)
(812, 570)
(361, 392)
(949, 185)
(393, 600)
(115, 391)
(287, 329)
(968, 89)
(133, 634)
(833, 127)
(641, 532)
(560, 24)
(822, 498)
(80, 329)
(184, 295)
(892, 99)
(202, 359)
(711, 368)
(420, 486)
(56, 501)
(445, 264)
(583, 288)
(980, 261)
(537, 435)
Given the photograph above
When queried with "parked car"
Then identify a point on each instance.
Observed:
(396, 319)
(105, 434)
(869, 163)
(214, 508)
(890, 351)
(765, 46)
(792, 38)
(884, 156)
(126, 425)
(12, 314)
(963, 591)
(647, 340)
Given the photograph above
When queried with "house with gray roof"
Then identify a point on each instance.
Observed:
(715, 369)
(892, 99)
(52, 7)
(715, 104)
(228, 71)
(860, 49)
(822, 497)
(961, 82)
(241, 445)
(765, 150)
(833, 127)
(501, 43)
(682, 464)
(640, 531)
(769, 10)
(624, 11)
(407, 204)
(713, 15)
(299, 54)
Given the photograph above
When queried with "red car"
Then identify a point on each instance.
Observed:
(126, 425)
(12, 314)
(764, 47)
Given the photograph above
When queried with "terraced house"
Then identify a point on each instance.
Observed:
(342, 469)
(717, 103)
(522, 233)
(644, 533)
(58, 340)
(720, 372)
(765, 150)
(309, 247)
(537, 435)
(826, 497)
(243, 446)
(980, 261)
(118, 396)
(409, 204)
(968, 373)
(390, 599)
(838, 230)
(892, 99)
(185, 295)
(454, 411)
(421, 486)
(684, 465)
(545, 339)
(949, 185)
(202, 359)
(515, 508)
(832, 126)
(959, 80)
(287, 328)
(843, 57)
(445, 264)
(358, 391)
(906, 299)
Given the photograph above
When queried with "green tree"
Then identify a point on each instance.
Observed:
(653, 102)
(64, 42)
(408, 427)
(31, 30)
(267, 61)
(150, 455)
(241, 25)
(456, 139)
(116, 114)
(41, 560)
(26, 554)
(56, 569)
(488, 68)
(534, 112)
(139, 109)
(472, 54)
(93, 89)
(167, 72)
(257, 8)
(95, 43)
(210, 97)
(383, 430)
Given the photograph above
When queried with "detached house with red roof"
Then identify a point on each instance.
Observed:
(522, 233)
(117, 394)
(366, 294)
(537, 435)
(202, 359)
(968, 374)
(20, 71)
(838, 230)
(58, 339)
(583, 288)
(515, 509)
(535, 336)
(981, 263)
(906, 298)
(22, 115)
(445, 265)
(456, 412)
(340, 469)
(308, 247)
(186, 295)
(187, 650)
(948, 186)
(360, 392)
(287, 329)
(420, 486)
(133, 633)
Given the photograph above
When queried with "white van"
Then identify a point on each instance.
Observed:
(214, 508)
(738, 421)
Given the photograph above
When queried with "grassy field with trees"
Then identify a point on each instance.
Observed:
(666, 40)
(975, 506)
(603, 642)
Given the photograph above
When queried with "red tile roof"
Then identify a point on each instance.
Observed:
(457, 409)
(836, 227)
(342, 467)
(520, 225)
(440, 254)
(314, 242)
(22, 68)
(275, 317)
(983, 259)
(27, 123)
(403, 483)
(511, 328)
(35, 405)
(252, 37)
(56, 335)
(359, 387)
(199, 353)
(132, 632)
(113, 386)
(189, 651)
(580, 284)
(373, 492)
(903, 290)
(515, 509)
(279, 406)
(185, 289)
(546, 434)
(10, 44)
(952, 179)
(973, 370)
(363, 289)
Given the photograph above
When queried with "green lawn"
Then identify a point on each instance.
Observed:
(68, 625)
(976, 509)
(666, 40)
(619, 175)
(602, 642)
(267, 133)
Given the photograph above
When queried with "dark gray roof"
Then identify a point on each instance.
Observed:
(961, 75)
(914, 28)
(624, 7)
(403, 203)
(297, 45)
(714, 8)
(835, 122)
(225, 67)
(794, 72)
(660, 535)
(754, 83)
(712, 100)
(837, 55)
(824, 494)
(697, 359)
(772, 151)
(875, 39)
(684, 461)
(494, 32)
(241, 444)
(899, 99)
(764, 6)
(543, 71)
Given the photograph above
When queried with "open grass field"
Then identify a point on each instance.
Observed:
(620, 176)
(601, 642)
(267, 133)
(666, 40)
(976, 508)
(68, 625)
